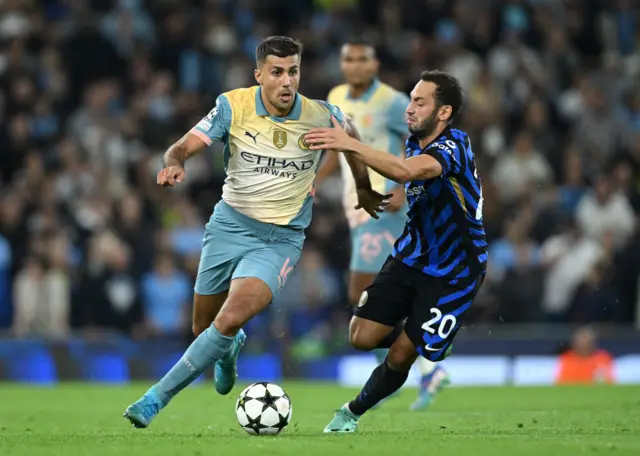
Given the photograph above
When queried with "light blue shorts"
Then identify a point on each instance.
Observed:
(372, 242)
(238, 246)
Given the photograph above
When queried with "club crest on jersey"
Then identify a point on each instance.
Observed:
(302, 142)
(279, 138)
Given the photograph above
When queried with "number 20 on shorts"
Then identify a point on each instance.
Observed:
(446, 326)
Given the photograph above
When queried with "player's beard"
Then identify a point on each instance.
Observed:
(426, 128)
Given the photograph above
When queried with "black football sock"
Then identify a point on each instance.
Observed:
(383, 382)
(388, 341)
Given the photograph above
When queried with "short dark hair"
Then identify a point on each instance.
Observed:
(280, 46)
(363, 43)
(448, 90)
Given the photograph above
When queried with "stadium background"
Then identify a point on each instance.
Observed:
(97, 263)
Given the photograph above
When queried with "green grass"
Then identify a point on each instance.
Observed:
(85, 420)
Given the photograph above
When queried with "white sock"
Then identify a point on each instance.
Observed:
(425, 366)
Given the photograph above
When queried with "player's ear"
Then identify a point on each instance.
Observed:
(444, 113)
(376, 65)
(258, 75)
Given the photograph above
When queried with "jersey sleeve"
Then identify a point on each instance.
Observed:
(215, 126)
(449, 155)
(396, 115)
(334, 111)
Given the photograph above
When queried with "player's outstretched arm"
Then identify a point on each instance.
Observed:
(175, 158)
(395, 168)
(214, 126)
(358, 169)
(368, 199)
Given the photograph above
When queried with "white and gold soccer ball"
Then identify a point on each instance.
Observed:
(263, 409)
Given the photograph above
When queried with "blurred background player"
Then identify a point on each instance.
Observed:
(378, 112)
(253, 239)
(584, 362)
(417, 302)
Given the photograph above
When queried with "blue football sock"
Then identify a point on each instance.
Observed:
(208, 347)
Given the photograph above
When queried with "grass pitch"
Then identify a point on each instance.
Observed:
(85, 420)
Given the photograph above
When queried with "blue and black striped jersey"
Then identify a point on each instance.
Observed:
(444, 234)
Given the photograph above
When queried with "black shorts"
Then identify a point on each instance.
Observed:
(433, 307)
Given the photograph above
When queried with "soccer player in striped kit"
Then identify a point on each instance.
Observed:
(378, 112)
(418, 300)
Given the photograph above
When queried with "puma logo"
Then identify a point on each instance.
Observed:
(246, 133)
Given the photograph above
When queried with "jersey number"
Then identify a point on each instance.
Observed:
(447, 323)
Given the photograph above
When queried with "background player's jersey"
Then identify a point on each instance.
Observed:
(444, 236)
(270, 169)
(379, 116)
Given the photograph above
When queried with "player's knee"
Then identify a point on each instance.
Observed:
(234, 315)
(402, 355)
(401, 360)
(247, 298)
(359, 338)
(228, 323)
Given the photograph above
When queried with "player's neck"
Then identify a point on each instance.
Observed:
(272, 110)
(357, 90)
(424, 142)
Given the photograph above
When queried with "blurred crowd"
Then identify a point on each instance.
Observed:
(93, 91)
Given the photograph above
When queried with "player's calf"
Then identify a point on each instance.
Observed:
(203, 352)
(385, 380)
(247, 297)
(402, 354)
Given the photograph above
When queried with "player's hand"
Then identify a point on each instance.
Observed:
(372, 202)
(170, 176)
(328, 138)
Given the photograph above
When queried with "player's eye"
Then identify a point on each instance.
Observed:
(293, 72)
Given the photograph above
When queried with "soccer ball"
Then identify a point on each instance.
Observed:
(263, 409)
